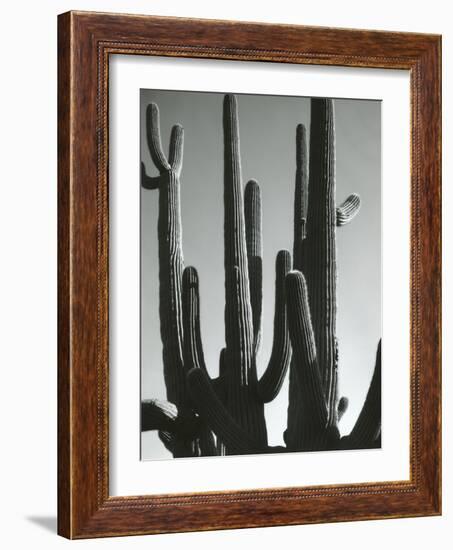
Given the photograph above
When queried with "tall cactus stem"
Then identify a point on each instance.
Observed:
(148, 182)
(319, 252)
(300, 195)
(157, 414)
(170, 275)
(252, 213)
(171, 263)
(238, 311)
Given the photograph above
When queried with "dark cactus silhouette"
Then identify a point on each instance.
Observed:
(225, 415)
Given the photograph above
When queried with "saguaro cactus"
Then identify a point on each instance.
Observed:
(314, 407)
(225, 415)
(319, 253)
(171, 265)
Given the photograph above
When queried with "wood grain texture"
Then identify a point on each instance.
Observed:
(64, 369)
(85, 42)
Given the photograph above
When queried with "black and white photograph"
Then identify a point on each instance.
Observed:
(260, 274)
(227, 266)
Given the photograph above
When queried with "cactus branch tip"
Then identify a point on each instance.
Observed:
(284, 255)
(152, 110)
(190, 276)
(230, 100)
(252, 184)
(301, 130)
(348, 210)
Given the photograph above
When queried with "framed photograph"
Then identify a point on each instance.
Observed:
(249, 275)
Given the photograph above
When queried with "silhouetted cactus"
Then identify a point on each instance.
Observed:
(171, 265)
(231, 406)
(314, 407)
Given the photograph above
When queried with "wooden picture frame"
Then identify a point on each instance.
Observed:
(85, 42)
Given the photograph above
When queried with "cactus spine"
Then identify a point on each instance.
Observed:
(225, 415)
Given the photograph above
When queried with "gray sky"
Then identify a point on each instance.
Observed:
(267, 133)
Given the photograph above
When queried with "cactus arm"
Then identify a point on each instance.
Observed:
(342, 407)
(238, 313)
(312, 402)
(158, 415)
(252, 214)
(271, 381)
(162, 415)
(148, 182)
(348, 210)
(367, 428)
(193, 350)
(153, 137)
(300, 196)
(175, 155)
(212, 410)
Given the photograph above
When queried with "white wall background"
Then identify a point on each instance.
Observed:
(28, 216)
